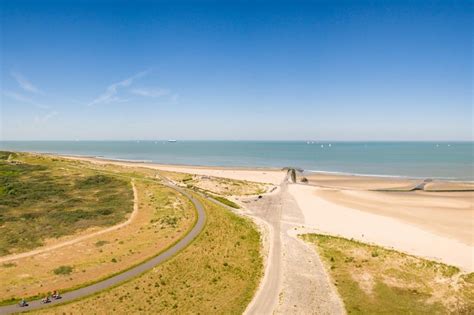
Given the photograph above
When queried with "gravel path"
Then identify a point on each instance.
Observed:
(295, 280)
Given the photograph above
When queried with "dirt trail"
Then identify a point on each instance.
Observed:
(80, 238)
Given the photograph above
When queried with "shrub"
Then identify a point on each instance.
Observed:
(9, 265)
(63, 270)
(101, 243)
(94, 180)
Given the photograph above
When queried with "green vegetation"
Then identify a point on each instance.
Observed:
(42, 198)
(9, 265)
(374, 280)
(218, 273)
(104, 255)
(227, 202)
(101, 243)
(63, 270)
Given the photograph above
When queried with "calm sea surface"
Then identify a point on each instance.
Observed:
(453, 160)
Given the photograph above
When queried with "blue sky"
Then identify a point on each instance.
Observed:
(335, 70)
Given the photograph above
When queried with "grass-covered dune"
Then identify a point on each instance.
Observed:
(51, 200)
(217, 185)
(218, 273)
(45, 198)
(374, 280)
(163, 217)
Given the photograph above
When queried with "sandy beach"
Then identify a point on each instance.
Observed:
(433, 224)
(443, 233)
(380, 183)
(270, 176)
(355, 182)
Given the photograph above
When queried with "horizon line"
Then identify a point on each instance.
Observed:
(236, 140)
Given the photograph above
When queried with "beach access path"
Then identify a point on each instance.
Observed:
(295, 281)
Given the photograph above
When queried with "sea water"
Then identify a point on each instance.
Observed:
(448, 160)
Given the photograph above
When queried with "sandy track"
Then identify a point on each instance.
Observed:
(268, 210)
(306, 287)
(80, 238)
(295, 281)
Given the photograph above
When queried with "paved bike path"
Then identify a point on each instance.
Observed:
(126, 275)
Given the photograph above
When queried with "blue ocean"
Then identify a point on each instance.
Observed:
(447, 160)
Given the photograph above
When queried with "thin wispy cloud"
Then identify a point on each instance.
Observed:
(25, 84)
(147, 92)
(110, 94)
(46, 117)
(23, 99)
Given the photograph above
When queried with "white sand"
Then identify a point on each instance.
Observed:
(330, 218)
(267, 176)
(259, 176)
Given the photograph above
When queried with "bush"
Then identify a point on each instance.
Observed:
(93, 181)
(101, 243)
(63, 270)
(9, 265)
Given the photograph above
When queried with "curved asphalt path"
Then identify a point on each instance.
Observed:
(126, 275)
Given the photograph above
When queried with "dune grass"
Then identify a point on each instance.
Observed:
(227, 202)
(42, 198)
(218, 273)
(374, 280)
(163, 216)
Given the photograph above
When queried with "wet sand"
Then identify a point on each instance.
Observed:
(359, 182)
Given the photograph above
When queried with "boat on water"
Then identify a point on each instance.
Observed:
(171, 140)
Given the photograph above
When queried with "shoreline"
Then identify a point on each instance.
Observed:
(255, 168)
(355, 206)
(143, 162)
